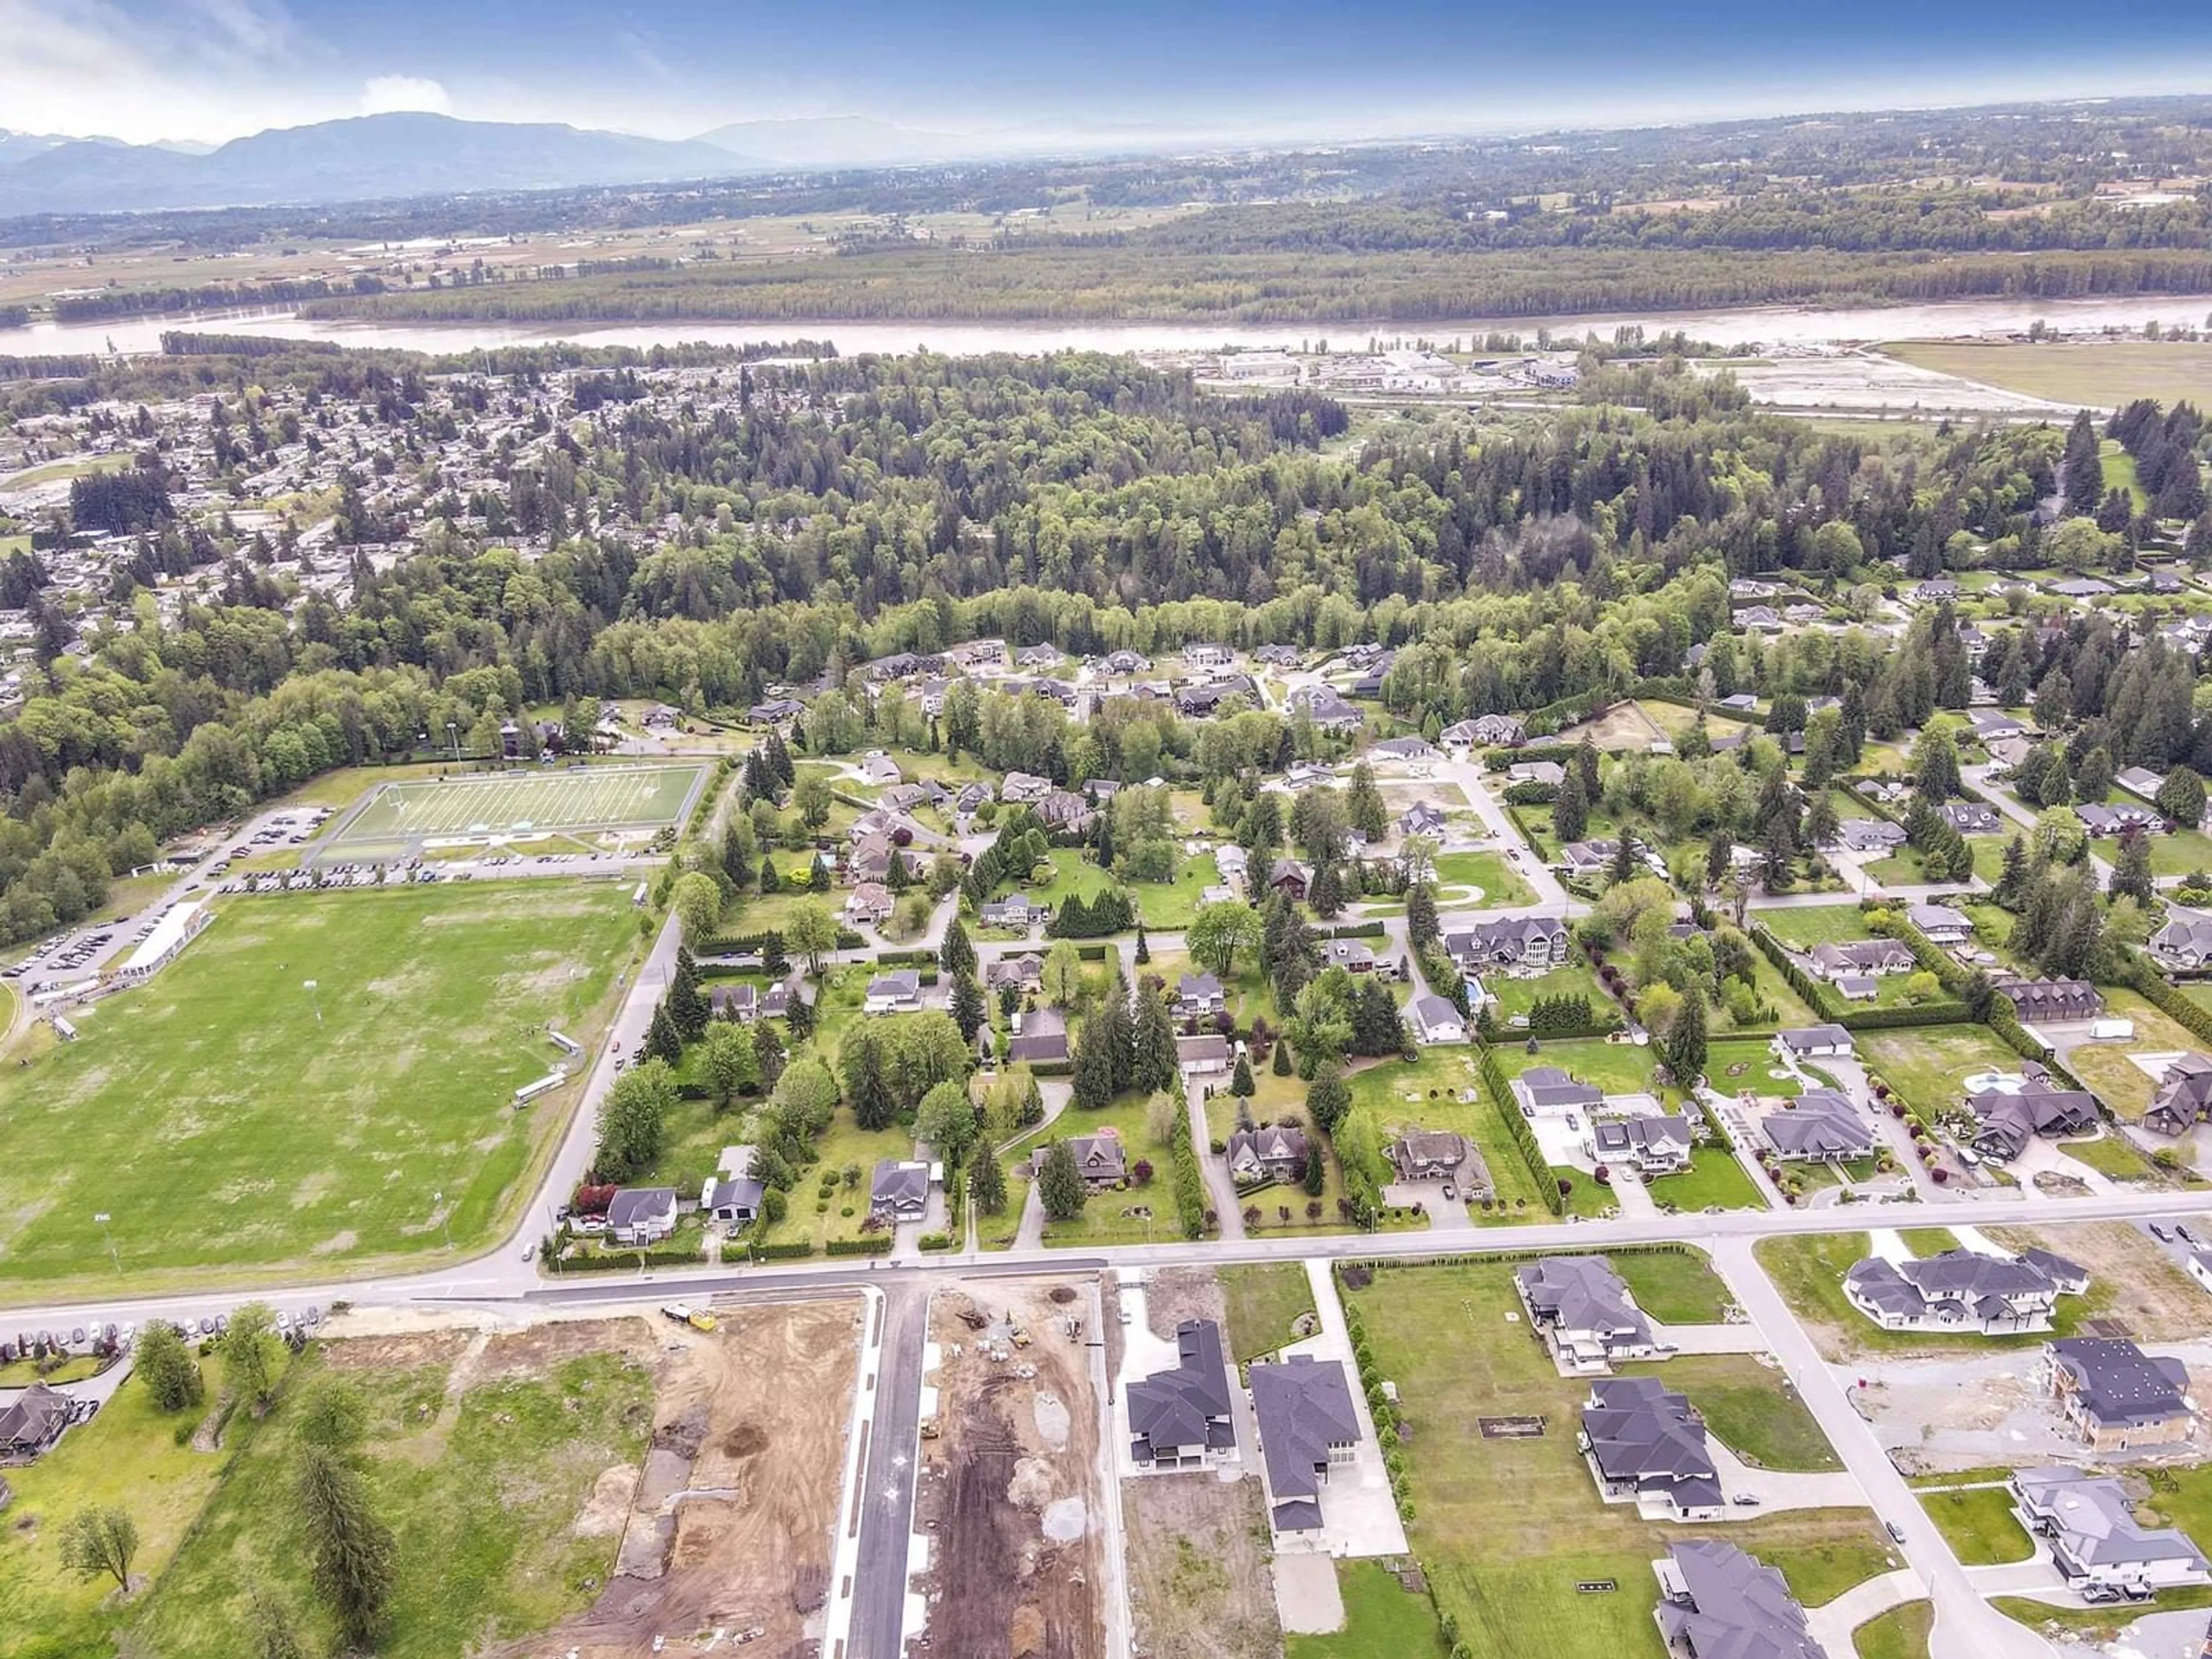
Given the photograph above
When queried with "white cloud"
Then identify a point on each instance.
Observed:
(390, 94)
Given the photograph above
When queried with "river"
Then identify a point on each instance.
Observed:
(1770, 325)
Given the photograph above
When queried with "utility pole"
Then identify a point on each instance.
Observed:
(445, 1220)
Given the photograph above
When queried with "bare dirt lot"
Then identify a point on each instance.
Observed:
(2133, 1284)
(728, 1524)
(1176, 1294)
(1202, 1581)
(1624, 726)
(1011, 1494)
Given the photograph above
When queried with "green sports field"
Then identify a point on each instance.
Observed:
(220, 1124)
(509, 803)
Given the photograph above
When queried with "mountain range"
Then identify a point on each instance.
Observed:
(358, 158)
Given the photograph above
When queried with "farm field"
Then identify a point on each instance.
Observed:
(1507, 1528)
(503, 803)
(309, 1125)
(2105, 374)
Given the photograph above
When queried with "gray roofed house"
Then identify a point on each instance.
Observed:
(1970, 818)
(892, 993)
(2113, 1395)
(2140, 781)
(1348, 953)
(1645, 1446)
(1549, 772)
(1584, 856)
(1813, 1041)
(2007, 1120)
(1101, 1160)
(1404, 749)
(2061, 1000)
(2186, 940)
(1861, 956)
(33, 1420)
(1513, 941)
(1198, 994)
(1436, 1019)
(1307, 1423)
(1024, 970)
(641, 1215)
(1871, 834)
(1547, 1090)
(1015, 910)
(1963, 1290)
(1942, 924)
(899, 1191)
(1657, 1145)
(1823, 1125)
(1265, 1154)
(1427, 1155)
(1421, 818)
(1180, 1419)
(1584, 1313)
(2184, 1095)
(1209, 1051)
(1042, 1040)
(733, 1198)
(1717, 1602)
(1995, 723)
(2101, 820)
(2095, 1541)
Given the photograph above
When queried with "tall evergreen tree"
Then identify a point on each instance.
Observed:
(986, 1182)
(1571, 808)
(351, 1554)
(1154, 1043)
(2131, 873)
(662, 1040)
(956, 955)
(968, 1012)
(1060, 1183)
(1093, 1063)
(1686, 1043)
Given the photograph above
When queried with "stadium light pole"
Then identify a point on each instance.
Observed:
(438, 1198)
(453, 731)
(105, 1232)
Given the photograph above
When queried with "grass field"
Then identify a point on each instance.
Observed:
(503, 803)
(481, 1485)
(1383, 1619)
(2107, 1068)
(1500, 884)
(1823, 924)
(227, 1117)
(1714, 1177)
(1979, 1524)
(1675, 1287)
(1262, 1301)
(1928, 1065)
(1507, 1528)
(2105, 372)
(1750, 1409)
(1900, 1633)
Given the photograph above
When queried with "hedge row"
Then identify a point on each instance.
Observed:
(1506, 1258)
(1184, 1176)
(935, 1242)
(1926, 1013)
(1516, 1128)
(865, 1244)
(2168, 1002)
(906, 959)
(1355, 930)
(616, 1261)
(791, 1251)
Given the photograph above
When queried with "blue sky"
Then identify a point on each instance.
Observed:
(214, 68)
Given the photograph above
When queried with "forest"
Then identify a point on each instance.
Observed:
(855, 507)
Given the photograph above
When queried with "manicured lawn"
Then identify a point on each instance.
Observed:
(2111, 1154)
(1262, 1303)
(1500, 884)
(1169, 906)
(128, 1454)
(1928, 1241)
(1441, 1090)
(2096, 1626)
(24, 1372)
(1905, 867)
(1826, 924)
(2105, 1066)
(1928, 1065)
(1675, 1287)
(1978, 1523)
(481, 1493)
(315, 1124)
(1507, 1528)
(1383, 1619)
(1751, 1408)
(2174, 854)
(1900, 1633)
(1103, 1219)
(1517, 996)
(1614, 1068)
(1073, 873)
(1714, 1179)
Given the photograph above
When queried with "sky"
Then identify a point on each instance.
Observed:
(212, 69)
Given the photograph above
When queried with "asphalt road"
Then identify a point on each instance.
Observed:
(887, 1482)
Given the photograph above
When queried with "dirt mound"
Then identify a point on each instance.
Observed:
(1356, 1278)
(1062, 1293)
(686, 1432)
(396, 1352)
(1031, 1488)
(746, 1440)
(1026, 1631)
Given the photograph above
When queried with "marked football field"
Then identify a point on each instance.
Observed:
(510, 804)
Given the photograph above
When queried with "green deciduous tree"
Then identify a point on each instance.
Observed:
(167, 1368)
(697, 898)
(253, 1355)
(633, 1120)
(1222, 932)
(101, 1542)
(730, 1062)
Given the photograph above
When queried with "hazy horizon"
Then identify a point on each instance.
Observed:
(211, 70)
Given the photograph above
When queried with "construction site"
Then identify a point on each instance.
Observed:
(1015, 1513)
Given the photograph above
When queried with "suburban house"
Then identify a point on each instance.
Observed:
(899, 1191)
(1435, 1019)
(1198, 996)
(2008, 1119)
(1037, 658)
(2115, 820)
(2140, 781)
(1024, 970)
(1656, 1145)
(1421, 818)
(1291, 877)
(1308, 774)
(1427, 1155)
(1964, 1290)
(1206, 1054)
(1125, 662)
(2095, 1542)
(33, 1421)
(1101, 1160)
(2044, 1000)
(1180, 1419)
(1584, 1313)
(971, 797)
(880, 769)
(1717, 1602)
(1326, 708)
(1018, 788)
(1823, 1127)
(1548, 1091)
(735, 1199)
(1411, 751)
(1207, 654)
(2113, 1395)
(1501, 729)
(1550, 773)
(1970, 818)
(1302, 1409)
(1995, 723)
(641, 1215)
(1870, 835)
(1039, 1038)
(1017, 911)
(1531, 942)
(895, 992)
(1814, 1042)
(1876, 957)
(1277, 656)
(1645, 1446)
(2185, 941)
(2183, 1097)
(1584, 858)
(1265, 1154)
(1941, 924)
(1350, 954)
